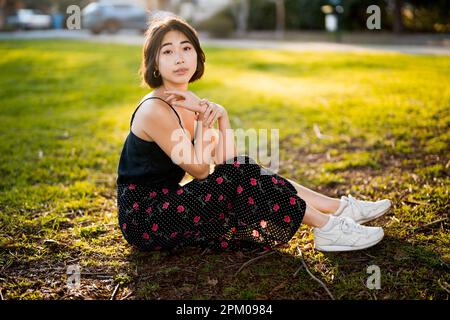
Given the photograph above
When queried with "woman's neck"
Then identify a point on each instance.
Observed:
(160, 90)
(174, 86)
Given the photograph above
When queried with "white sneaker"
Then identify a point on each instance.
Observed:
(344, 234)
(362, 211)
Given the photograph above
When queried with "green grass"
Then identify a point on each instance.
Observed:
(65, 111)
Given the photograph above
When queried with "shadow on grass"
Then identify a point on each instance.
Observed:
(406, 272)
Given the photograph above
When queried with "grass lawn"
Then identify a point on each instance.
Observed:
(64, 114)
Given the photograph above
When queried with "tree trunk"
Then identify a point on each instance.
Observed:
(398, 22)
(2, 14)
(242, 16)
(281, 18)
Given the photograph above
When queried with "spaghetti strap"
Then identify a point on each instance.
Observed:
(132, 117)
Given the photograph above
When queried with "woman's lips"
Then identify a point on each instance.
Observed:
(181, 72)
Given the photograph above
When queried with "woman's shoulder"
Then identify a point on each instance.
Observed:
(152, 103)
(149, 115)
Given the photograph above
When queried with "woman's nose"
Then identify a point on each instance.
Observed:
(179, 58)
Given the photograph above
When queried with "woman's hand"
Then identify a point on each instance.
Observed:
(208, 112)
(184, 99)
(212, 112)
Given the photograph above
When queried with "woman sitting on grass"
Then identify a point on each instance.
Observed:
(240, 204)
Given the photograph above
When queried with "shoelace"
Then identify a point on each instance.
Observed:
(347, 225)
(354, 204)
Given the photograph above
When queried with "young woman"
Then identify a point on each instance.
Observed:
(240, 204)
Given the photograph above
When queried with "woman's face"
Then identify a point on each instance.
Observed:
(176, 52)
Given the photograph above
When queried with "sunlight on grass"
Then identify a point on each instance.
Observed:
(384, 133)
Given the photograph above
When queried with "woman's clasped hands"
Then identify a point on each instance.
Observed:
(208, 112)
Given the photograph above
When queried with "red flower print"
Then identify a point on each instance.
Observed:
(135, 206)
(255, 233)
(146, 236)
(239, 189)
(263, 224)
(292, 200)
(276, 207)
(149, 210)
(266, 248)
(180, 208)
(124, 226)
(165, 190)
(165, 205)
(152, 194)
(281, 181)
(154, 227)
(224, 244)
(233, 229)
(229, 206)
(287, 219)
(179, 191)
(250, 200)
(274, 180)
(173, 234)
(196, 219)
(236, 163)
(132, 186)
(222, 216)
(253, 181)
(220, 197)
(219, 180)
(207, 197)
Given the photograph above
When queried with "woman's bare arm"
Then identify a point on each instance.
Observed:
(226, 148)
(162, 125)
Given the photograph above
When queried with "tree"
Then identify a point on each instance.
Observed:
(397, 10)
(242, 16)
(281, 18)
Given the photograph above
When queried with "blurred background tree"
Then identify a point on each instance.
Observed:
(280, 15)
(396, 15)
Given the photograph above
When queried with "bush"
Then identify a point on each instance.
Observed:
(220, 25)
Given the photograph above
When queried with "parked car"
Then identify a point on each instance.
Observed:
(98, 17)
(29, 19)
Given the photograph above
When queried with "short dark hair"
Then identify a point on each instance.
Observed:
(153, 37)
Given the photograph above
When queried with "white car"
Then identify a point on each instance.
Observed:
(98, 17)
(29, 19)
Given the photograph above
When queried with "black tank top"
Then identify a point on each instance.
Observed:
(144, 162)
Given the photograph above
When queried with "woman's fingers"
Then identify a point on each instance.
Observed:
(171, 97)
(176, 92)
(216, 116)
(211, 117)
(206, 114)
(179, 94)
(180, 104)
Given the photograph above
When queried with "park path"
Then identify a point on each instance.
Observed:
(131, 37)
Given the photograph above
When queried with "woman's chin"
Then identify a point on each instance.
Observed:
(180, 80)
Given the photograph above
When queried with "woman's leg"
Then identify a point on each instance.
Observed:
(314, 218)
(315, 199)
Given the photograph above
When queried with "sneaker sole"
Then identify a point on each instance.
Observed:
(347, 248)
(377, 216)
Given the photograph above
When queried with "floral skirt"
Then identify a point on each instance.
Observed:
(240, 205)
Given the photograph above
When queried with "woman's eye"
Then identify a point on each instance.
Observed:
(167, 51)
